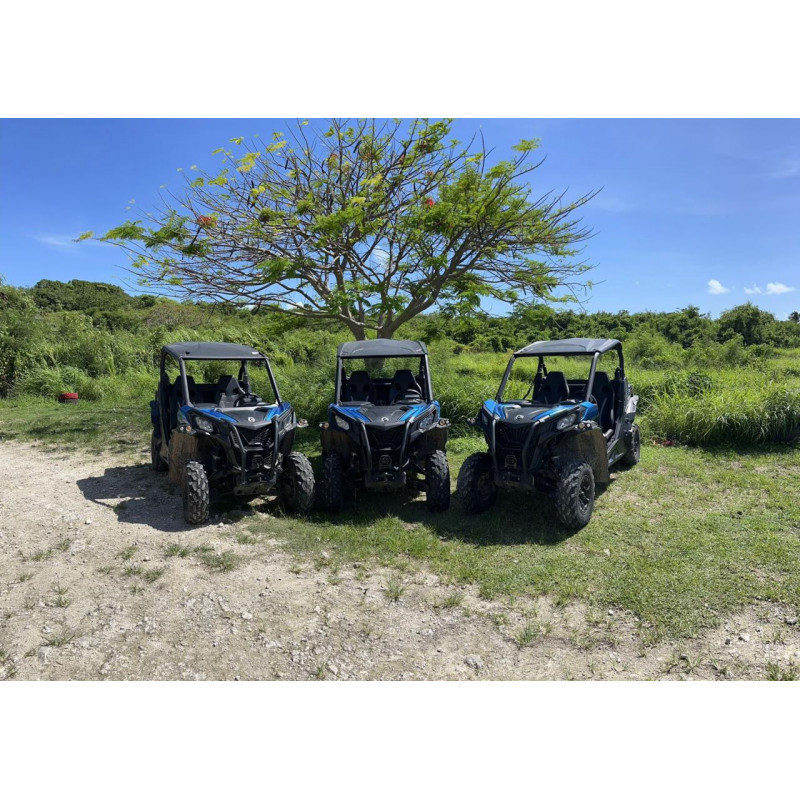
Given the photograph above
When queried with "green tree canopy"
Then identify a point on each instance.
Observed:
(366, 223)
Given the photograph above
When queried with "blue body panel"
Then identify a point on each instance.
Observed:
(356, 414)
(278, 410)
(353, 413)
(211, 412)
(498, 410)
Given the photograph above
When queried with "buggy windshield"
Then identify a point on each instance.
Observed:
(216, 383)
(383, 381)
(532, 380)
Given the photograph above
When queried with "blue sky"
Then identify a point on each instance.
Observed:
(701, 212)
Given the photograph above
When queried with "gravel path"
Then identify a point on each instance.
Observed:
(87, 591)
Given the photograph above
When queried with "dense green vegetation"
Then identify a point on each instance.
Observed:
(701, 381)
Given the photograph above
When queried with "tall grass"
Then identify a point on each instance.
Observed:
(731, 415)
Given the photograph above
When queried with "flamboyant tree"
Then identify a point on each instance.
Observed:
(365, 222)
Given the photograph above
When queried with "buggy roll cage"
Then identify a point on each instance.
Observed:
(565, 348)
(383, 349)
(243, 375)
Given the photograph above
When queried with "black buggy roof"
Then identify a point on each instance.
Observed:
(211, 351)
(381, 348)
(569, 347)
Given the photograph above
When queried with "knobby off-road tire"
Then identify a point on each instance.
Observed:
(196, 500)
(437, 479)
(475, 487)
(331, 487)
(631, 457)
(296, 484)
(156, 462)
(575, 494)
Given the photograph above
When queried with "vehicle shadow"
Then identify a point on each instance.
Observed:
(515, 518)
(139, 496)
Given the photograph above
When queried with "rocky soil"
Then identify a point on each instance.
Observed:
(101, 579)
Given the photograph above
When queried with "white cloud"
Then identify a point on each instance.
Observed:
(788, 168)
(613, 205)
(380, 257)
(773, 287)
(64, 241)
(779, 288)
(55, 240)
(715, 287)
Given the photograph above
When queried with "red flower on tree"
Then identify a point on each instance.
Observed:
(429, 201)
(205, 222)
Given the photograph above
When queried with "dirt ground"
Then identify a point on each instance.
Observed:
(87, 592)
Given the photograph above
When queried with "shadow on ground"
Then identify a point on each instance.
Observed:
(515, 518)
(140, 496)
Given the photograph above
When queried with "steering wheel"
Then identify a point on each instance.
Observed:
(247, 400)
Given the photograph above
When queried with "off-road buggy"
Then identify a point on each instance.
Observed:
(561, 437)
(384, 428)
(220, 436)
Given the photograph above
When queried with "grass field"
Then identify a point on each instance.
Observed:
(684, 538)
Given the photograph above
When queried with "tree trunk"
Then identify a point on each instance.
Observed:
(359, 334)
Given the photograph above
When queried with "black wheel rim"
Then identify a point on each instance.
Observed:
(485, 486)
(585, 493)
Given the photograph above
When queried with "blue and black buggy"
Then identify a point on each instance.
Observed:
(384, 429)
(220, 435)
(563, 433)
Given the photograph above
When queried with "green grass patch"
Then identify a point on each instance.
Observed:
(221, 562)
(682, 539)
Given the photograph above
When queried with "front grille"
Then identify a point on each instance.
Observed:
(259, 448)
(509, 441)
(262, 437)
(385, 444)
(386, 437)
(511, 437)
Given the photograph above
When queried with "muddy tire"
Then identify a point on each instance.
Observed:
(196, 499)
(575, 495)
(331, 487)
(631, 457)
(296, 484)
(156, 462)
(475, 488)
(437, 480)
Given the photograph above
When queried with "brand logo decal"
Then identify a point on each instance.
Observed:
(251, 419)
(519, 416)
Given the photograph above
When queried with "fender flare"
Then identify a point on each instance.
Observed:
(589, 445)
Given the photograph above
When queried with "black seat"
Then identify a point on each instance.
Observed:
(554, 389)
(359, 387)
(405, 388)
(604, 394)
(228, 392)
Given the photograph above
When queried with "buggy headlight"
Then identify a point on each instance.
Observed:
(427, 420)
(203, 424)
(342, 423)
(567, 420)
